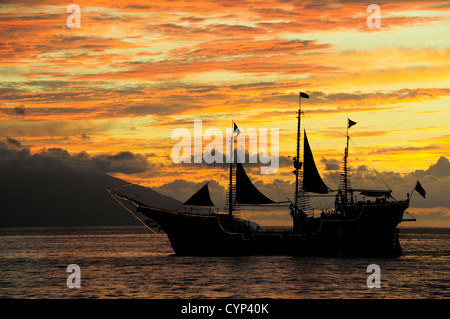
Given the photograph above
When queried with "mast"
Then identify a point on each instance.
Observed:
(350, 123)
(297, 159)
(230, 192)
(345, 172)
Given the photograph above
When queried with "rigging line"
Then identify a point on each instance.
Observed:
(120, 187)
(151, 174)
(273, 181)
(146, 190)
(263, 179)
(279, 189)
(129, 210)
(320, 199)
(325, 124)
(377, 175)
(410, 215)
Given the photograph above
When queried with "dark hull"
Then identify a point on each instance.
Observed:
(372, 233)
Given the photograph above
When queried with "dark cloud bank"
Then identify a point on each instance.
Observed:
(19, 157)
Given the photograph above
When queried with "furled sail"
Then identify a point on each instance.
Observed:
(246, 192)
(201, 198)
(312, 182)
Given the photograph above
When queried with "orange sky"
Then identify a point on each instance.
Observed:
(136, 70)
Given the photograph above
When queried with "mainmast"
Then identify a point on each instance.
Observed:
(232, 207)
(297, 158)
(230, 191)
(297, 163)
(345, 172)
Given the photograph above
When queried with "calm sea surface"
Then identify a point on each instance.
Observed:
(130, 262)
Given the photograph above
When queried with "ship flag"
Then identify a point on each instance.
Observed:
(304, 95)
(350, 123)
(236, 129)
(420, 189)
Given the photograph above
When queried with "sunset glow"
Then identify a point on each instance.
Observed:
(136, 70)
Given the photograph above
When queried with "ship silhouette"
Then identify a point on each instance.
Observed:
(355, 227)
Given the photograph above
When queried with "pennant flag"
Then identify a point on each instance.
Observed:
(236, 129)
(350, 123)
(304, 95)
(420, 189)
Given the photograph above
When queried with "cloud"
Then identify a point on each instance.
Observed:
(440, 169)
(59, 159)
(372, 98)
(431, 214)
(123, 162)
(240, 47)
(19, 110)
(12, 141)
(401, 149)
(331, 164)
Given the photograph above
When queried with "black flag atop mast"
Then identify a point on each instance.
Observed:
(304, 95)
(420, 189)
(236, 129)
(350, 123)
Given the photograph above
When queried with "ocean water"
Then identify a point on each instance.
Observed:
(131, 262)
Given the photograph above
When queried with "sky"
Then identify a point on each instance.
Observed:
(114, 90)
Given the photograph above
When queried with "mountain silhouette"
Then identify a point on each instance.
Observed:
(44, 198)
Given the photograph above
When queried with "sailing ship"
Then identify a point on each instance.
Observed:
(354, 227)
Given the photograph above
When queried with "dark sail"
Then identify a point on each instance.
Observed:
(201, 198)
(246, 192)
(312, 182)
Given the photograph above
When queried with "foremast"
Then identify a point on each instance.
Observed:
(344, 198)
